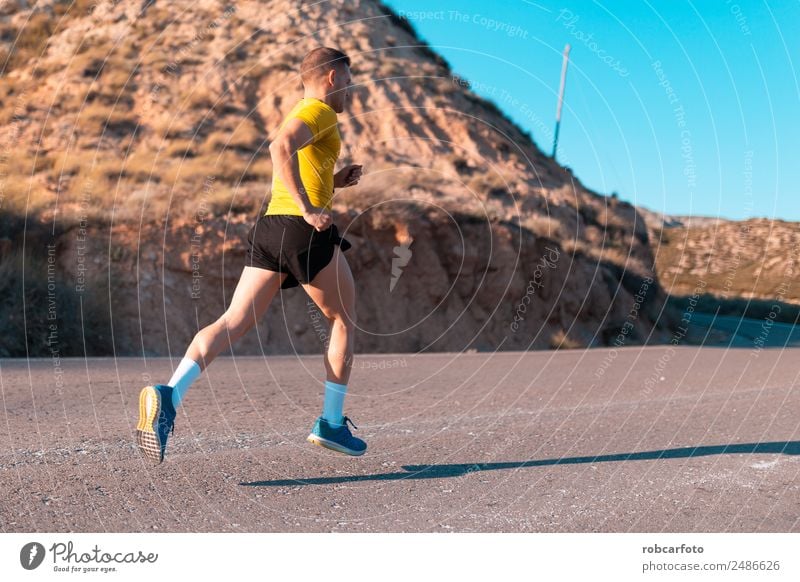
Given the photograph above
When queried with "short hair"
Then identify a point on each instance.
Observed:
(319, 61)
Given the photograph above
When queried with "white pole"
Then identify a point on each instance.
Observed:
(560, 98)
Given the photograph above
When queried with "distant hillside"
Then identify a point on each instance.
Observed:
(751, 259)
(135, 142)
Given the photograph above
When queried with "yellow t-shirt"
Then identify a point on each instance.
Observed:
(316, 160)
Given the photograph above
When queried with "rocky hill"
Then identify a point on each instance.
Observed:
(134, 159)
(741, 264)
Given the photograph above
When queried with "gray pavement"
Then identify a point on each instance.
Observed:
(637, 439)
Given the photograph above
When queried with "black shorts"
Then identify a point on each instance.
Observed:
(288, 244)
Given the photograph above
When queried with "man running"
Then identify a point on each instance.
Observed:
(294, 243)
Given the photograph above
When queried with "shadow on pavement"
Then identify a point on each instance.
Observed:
(458, 470)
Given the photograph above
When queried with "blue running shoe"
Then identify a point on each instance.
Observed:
(156, 421)
(339, 439)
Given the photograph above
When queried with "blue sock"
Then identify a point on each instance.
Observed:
(186, 373)
(334, 402)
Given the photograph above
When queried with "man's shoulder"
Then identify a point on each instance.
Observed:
(320, 117)
(316, 106)
(317, 114)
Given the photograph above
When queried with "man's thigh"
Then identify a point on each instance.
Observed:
(333, 289)
(254, 291)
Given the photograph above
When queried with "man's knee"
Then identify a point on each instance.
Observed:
(344, 318)
(236, 325)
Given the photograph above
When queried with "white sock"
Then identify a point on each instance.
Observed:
(186, 373)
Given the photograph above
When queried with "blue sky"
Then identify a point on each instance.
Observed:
(682, 107)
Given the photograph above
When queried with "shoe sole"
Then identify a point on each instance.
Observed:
(319, 441)
(147, 429)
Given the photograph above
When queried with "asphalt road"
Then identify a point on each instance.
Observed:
(640, 439)
(734, 331)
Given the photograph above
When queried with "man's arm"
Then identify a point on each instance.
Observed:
(294, 136)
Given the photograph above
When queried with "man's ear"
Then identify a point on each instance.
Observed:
(331, 77)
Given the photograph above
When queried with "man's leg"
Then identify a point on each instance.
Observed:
(251, 299)
(333, 290)
(158, 404)
(334, 293)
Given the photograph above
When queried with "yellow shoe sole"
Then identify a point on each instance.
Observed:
(325, 443)
(147, 430)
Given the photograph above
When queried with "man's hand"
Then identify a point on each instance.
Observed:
(319, 218)
(347, 176)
